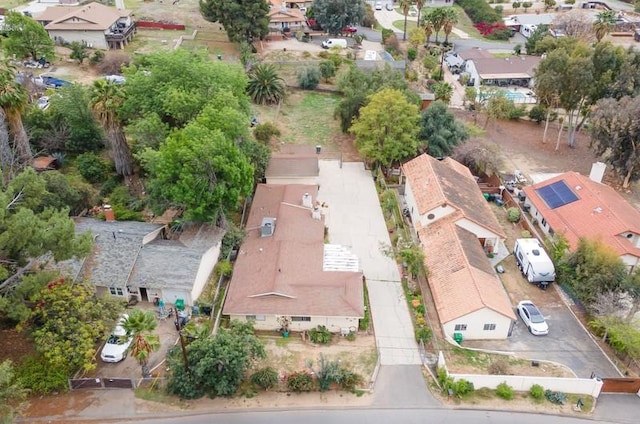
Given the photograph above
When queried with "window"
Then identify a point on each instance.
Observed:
(460, 327)
(300, 319)
(116, 291)
(250, 317)
(543, 222)
(489, 327)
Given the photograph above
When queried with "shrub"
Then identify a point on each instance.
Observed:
(265, 378)
(479, 11)
(120, 196)
(369, 17)
(351, 336)
(423, 334)
(499, 9)
(513, 214)
(349, 379)
(420, 309)
(420, 321)
(300, 382)
(92, 167)
(558, 398)
(430, 62)
(309, 77)
(320, 335)
(411, 75)
(498, 367)
(41, 379)
(96, 57)
(113, 63)
(504, 391)
(386, 33)
(537, 392)
(462, 387)
(108, 186)
(264, 132)
(412, 53)
(224, 268)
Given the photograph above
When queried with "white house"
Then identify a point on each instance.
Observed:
(457, 229)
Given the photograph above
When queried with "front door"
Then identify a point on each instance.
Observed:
(143, 294)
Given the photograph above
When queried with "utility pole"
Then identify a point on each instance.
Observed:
(182, 345)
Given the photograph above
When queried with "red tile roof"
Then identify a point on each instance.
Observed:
(599, 212)
(461, 278)
(283, 274)
(435, 183)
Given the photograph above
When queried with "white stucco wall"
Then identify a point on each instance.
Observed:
(479, 231)
(95, 39)
(171, 295)
(207, 263)
(470, 68)
(475, 322)
(270, 323)
(580, 386)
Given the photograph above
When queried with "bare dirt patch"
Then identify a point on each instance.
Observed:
(15, 345)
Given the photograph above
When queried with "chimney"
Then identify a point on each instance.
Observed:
(597, 171)
(316, 213)
(268, 227)
(109, 215)
(307, 201)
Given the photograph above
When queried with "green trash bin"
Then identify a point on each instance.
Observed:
(180, 304)
(458, 337)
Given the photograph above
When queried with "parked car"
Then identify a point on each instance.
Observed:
(334, 42)
(378, 5)
(389, 7)
(43, 103)
(349, 29)
(54, 82)
(117, 79)
(117, 345)
(532, 318)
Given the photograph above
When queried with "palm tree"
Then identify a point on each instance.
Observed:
(450, 18)
(106, 99)
(605, 22)
(405, 5)
(265, 86)
(436, 17)
(14, 144)
(443, 91)
(139, 326)
(420, 5)
(428, 28)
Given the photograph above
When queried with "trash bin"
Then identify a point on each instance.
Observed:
(180, 304)
(458, 337)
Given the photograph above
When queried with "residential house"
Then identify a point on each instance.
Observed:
(285, 269)
(578, 206)
(284, 19)
(94, 25)
(457, 229)
(294, 164)
(485, 69)
(135, 259)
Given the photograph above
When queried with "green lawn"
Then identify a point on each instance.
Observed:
(465, 24)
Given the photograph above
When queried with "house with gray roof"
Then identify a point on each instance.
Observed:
(136, 259)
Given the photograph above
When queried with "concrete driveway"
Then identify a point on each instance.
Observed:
(355, 221)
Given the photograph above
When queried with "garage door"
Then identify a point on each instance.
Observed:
(620, 385)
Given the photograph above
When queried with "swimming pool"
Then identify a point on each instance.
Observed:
(514, 95)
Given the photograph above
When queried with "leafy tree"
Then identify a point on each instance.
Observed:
(265, 86)
(548, 4)
(106, 99)
(66, 191)
(387, 128)
(139, 325)
(200, 169)
(540, 32)
(334, 15)
(11, 390)
(78, 52)
(15, 151)
(66, 322)
(526, 5)
(27, 234)
(177, 85)
(615, 135)
(93, 168)
(604, 24)
(147, 131)
(516, 5)
(26, 37)
(217, 364)
(244, 20)
(441, 130)
(327, 70)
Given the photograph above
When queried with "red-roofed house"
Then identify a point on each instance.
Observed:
(284, 268)
(578, 206)
(457, 228)
(285, 19)
(293, 164)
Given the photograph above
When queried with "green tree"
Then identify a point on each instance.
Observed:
(26, 37)
(548, 4)
(140, 326)
(177, 85)
(405, 6)
(419, 6)
(440, 130)
(244, 20)
(78, 52)
(15, 152)
(308, 77)
(516, 5)
(436, 17)
(604, 24)
(106, 99)
(327, 70)
(146, 131)
(199, 169)
(217, 364)
(417, 37)
(265, 86)
(334, 15)
(26, 234)
(67, 321)
(615, 135)
(443, 91)
(540, 32)
(11, 390)
(526, 5)
(387, 128)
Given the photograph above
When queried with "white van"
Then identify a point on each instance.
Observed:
(334, 42)
(534, 263)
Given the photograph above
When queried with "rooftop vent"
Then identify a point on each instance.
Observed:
(268, 227)
(316, 213)
(307, 201)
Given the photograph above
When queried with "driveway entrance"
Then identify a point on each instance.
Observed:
(355, 221)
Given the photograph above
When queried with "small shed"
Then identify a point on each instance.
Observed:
(45, 163)
(426, 99)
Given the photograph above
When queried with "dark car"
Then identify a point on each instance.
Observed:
(54, 82)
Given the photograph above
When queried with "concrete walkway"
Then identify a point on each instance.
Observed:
(355, 221)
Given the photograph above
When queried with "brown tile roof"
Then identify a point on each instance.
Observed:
(90, 17)
(473, 54)
(599, 212)
(285, 165)
(280, 14)
(283, 274)
(461, 278)
(513, 67)
(435, 183)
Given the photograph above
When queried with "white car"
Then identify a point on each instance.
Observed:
(116, 79)
(115, 349)
(532, 318)
(378, 5)
(43, 103)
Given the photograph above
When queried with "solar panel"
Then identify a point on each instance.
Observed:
(557, 194)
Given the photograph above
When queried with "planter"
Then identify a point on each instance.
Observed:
(285, 334)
